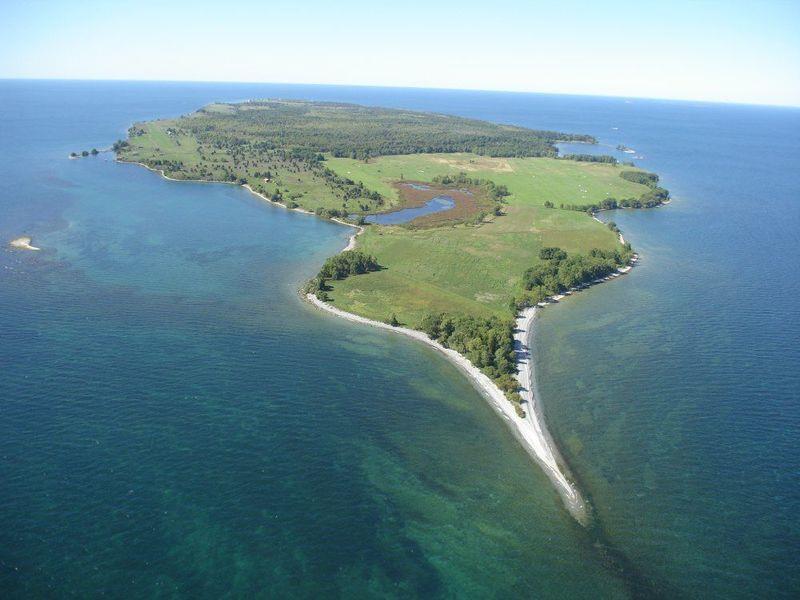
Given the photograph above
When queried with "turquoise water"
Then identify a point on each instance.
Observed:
(176, 422)
(404, 215)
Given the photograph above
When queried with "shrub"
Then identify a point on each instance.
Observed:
(642, 177)
(561, 272)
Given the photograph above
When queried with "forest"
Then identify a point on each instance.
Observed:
(558, 271)
(348, 130)
(598, 158)
(487, 342)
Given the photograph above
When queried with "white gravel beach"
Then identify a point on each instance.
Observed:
(530, 431)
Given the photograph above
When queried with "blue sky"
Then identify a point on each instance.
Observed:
(719, 51)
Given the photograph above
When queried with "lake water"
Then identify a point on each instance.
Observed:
(176, 422)
(437, 204)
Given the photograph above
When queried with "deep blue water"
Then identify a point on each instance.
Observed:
(404, 215)
(175, 421)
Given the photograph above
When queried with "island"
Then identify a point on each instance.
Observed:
(84, 153)
(23, 243)
(464, 228)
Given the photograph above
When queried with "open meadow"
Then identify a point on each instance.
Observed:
(473, 269)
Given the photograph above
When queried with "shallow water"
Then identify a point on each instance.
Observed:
(176, 421)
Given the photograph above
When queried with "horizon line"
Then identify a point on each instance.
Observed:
(405, 87)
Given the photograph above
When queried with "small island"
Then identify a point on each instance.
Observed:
(84, 153)
(464, 227)
(23, 243)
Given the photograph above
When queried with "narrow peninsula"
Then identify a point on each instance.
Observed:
(465, 227)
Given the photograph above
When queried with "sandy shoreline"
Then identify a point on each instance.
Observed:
(271, 201)
(531, 431)
(541, 443)
(351, 244)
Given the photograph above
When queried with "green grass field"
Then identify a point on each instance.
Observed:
(534, 180)
(467, 269)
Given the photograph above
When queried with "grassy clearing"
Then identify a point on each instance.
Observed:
(534, 180)
(156, 142)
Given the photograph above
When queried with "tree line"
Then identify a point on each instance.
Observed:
(643, 177)
(340, 266)
(653, 197)
(559, 272)
(494, 191)
(487, 342)
(348, 130)
(596, 158)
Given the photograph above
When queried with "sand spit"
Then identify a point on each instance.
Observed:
(539, 442)
(529, 431)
